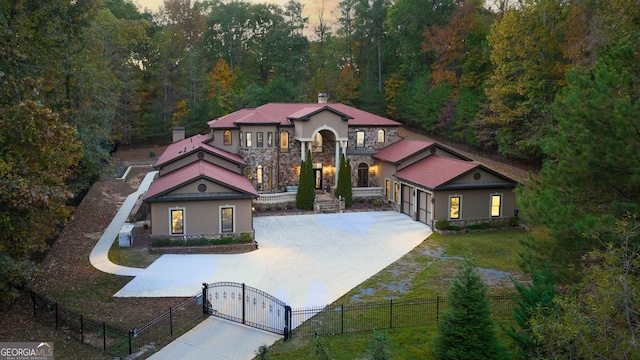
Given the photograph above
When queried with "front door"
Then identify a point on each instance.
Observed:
(363, 175)
(317, 175)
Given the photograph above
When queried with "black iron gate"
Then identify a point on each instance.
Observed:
(247, 305)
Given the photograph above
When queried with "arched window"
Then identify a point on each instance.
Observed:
(284, 141)
(316, 146)
(227, 137)
(380, 136)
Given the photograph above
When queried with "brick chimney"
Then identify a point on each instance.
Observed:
(322, 98)
(178, 133)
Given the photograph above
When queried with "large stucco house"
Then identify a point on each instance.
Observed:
(208, 184)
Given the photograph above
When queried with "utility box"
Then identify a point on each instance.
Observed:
(126, 235)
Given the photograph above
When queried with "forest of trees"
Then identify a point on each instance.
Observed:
(548, 82)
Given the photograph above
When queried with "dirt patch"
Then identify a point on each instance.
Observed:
(66, 276)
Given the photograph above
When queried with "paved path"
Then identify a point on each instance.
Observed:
(99, 256)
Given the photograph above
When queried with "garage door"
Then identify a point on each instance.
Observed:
(423, 206)
(407, 199)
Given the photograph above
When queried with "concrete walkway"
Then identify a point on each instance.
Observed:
(99, 256)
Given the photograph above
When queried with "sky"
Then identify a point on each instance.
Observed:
(309, 10)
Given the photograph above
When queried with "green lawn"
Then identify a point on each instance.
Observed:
(425, 272)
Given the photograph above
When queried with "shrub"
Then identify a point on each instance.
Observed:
(479, 226)
(152, 154)
(442, 224)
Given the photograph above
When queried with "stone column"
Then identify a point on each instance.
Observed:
(303, 151)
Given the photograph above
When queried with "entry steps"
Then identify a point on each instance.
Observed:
(326, 204)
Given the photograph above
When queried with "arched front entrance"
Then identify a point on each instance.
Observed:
(363, 175)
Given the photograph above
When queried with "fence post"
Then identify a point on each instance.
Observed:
(130, 340)
(243, 304)
(33, 300)
(56, 306)
(81, 330)
(437, 309)
(104, 336)
(287, 321)
(342, 319)
(390, 313)
(205, 294)
(170, 321)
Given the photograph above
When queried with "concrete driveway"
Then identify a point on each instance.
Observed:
(304, 260)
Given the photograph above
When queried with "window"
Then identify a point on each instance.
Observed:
(259, 140)
(248, 136)
(316, 145)
(226, 220)
(359, 139)
(241, 139)
(259, 175)
(496, 205)
(227, 137)
(284, 141)
(269, 139)
(249, 172)
(177, 221)
(380, 136)
(387, 188)
(396, 192)
(454, 207)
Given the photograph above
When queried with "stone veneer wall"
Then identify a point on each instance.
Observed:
(285, 165)
(371, 137)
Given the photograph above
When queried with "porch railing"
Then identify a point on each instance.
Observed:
(366, 192)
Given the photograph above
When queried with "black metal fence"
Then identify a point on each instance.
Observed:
(340, 319)
(115, 341)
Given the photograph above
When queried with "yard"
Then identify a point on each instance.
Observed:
(67, 276)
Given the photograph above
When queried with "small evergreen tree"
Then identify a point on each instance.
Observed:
(378, 348)
(344, 186)
(306, 190)
(535, 298)
(465, 330)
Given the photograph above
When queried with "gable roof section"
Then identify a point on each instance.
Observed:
(401, 150)
(307, 112)
(188, 146)
(282, 113)
(435, 172)
(200, 170)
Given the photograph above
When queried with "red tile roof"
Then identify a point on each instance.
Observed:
(401, 150)
(196, 170)
(434, 171)
(192, 144)
(281, 113)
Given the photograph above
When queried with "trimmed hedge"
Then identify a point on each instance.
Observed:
(165, 242)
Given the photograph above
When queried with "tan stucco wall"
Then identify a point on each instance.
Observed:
(476, 204)
(177, 164)
(201, 217)
(218, 140)
(305, 129)
(192, 188)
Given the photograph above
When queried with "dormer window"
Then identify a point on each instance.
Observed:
(226, 138)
